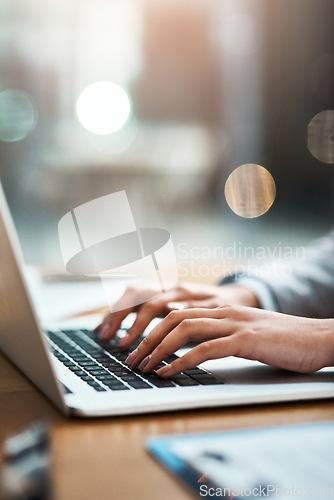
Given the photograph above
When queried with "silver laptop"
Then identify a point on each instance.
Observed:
(87, 378)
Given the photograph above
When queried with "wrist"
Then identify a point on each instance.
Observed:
(328, 344)
(262, 295)
(242, 295)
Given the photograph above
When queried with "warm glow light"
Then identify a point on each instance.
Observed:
(250, 190)
(103, 108)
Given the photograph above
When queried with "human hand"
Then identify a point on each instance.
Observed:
(293, 343)
(183, 296)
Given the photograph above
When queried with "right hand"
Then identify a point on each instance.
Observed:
(184, 296)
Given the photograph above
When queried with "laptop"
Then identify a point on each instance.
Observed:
(87, 378)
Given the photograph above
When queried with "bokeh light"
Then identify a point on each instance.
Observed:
(250, 190)
(118, 142)
(320, 136)
(103, 107)
(18, 115)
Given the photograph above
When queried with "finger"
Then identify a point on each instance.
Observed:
(161, 305)
(154, 308)
(98, 327)
(112, 323)
(212, 349)
(165, 328)
(130, 301)
(196, 329)
(145, 314)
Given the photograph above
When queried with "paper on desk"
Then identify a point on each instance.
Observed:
(294, 459)
(58, 300)
(75, 302)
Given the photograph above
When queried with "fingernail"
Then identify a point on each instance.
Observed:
(163, 372)
(175, 306)
(124, 342)
(144, 363)
(104, 333)
(132, 356)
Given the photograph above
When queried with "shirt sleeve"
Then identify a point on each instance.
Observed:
(306, 290)
(260, 288)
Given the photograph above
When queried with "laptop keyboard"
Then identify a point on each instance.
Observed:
(102, 364)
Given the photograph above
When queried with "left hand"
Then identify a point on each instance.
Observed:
(293, 343)
(182, 296)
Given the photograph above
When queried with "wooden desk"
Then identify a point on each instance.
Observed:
(106, 458)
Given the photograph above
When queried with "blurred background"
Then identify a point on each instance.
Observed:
(191, 90)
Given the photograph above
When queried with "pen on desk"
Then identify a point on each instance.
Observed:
(25, 474)
(215, 456)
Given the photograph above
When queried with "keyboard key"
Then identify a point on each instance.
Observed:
(103, 378)
(97, 386)
(123, 373)
(194, 371)
(213, 381)
(87, 378)
(102, 358)
(72, 366)
(207, 379)
(183, 380)
(160, 382)
(115, 369)
(131, 376)
(119, 388)
(139, 384)
(97, 363)
(79, 372)
(115, 385)
(90, 365)
(98, 372)
(171, 358)
(122, 357)
(68, 363)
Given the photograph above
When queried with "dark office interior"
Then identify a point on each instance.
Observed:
(213, 85)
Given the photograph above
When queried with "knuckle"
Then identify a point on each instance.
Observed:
(187, 324)
(226, 307)
(145, 342)
(229, 309)
(245, 335)
(205, 349)
(187, 329)
(173, 316)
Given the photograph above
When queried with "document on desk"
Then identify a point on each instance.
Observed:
(59, 300)
(276, 462)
